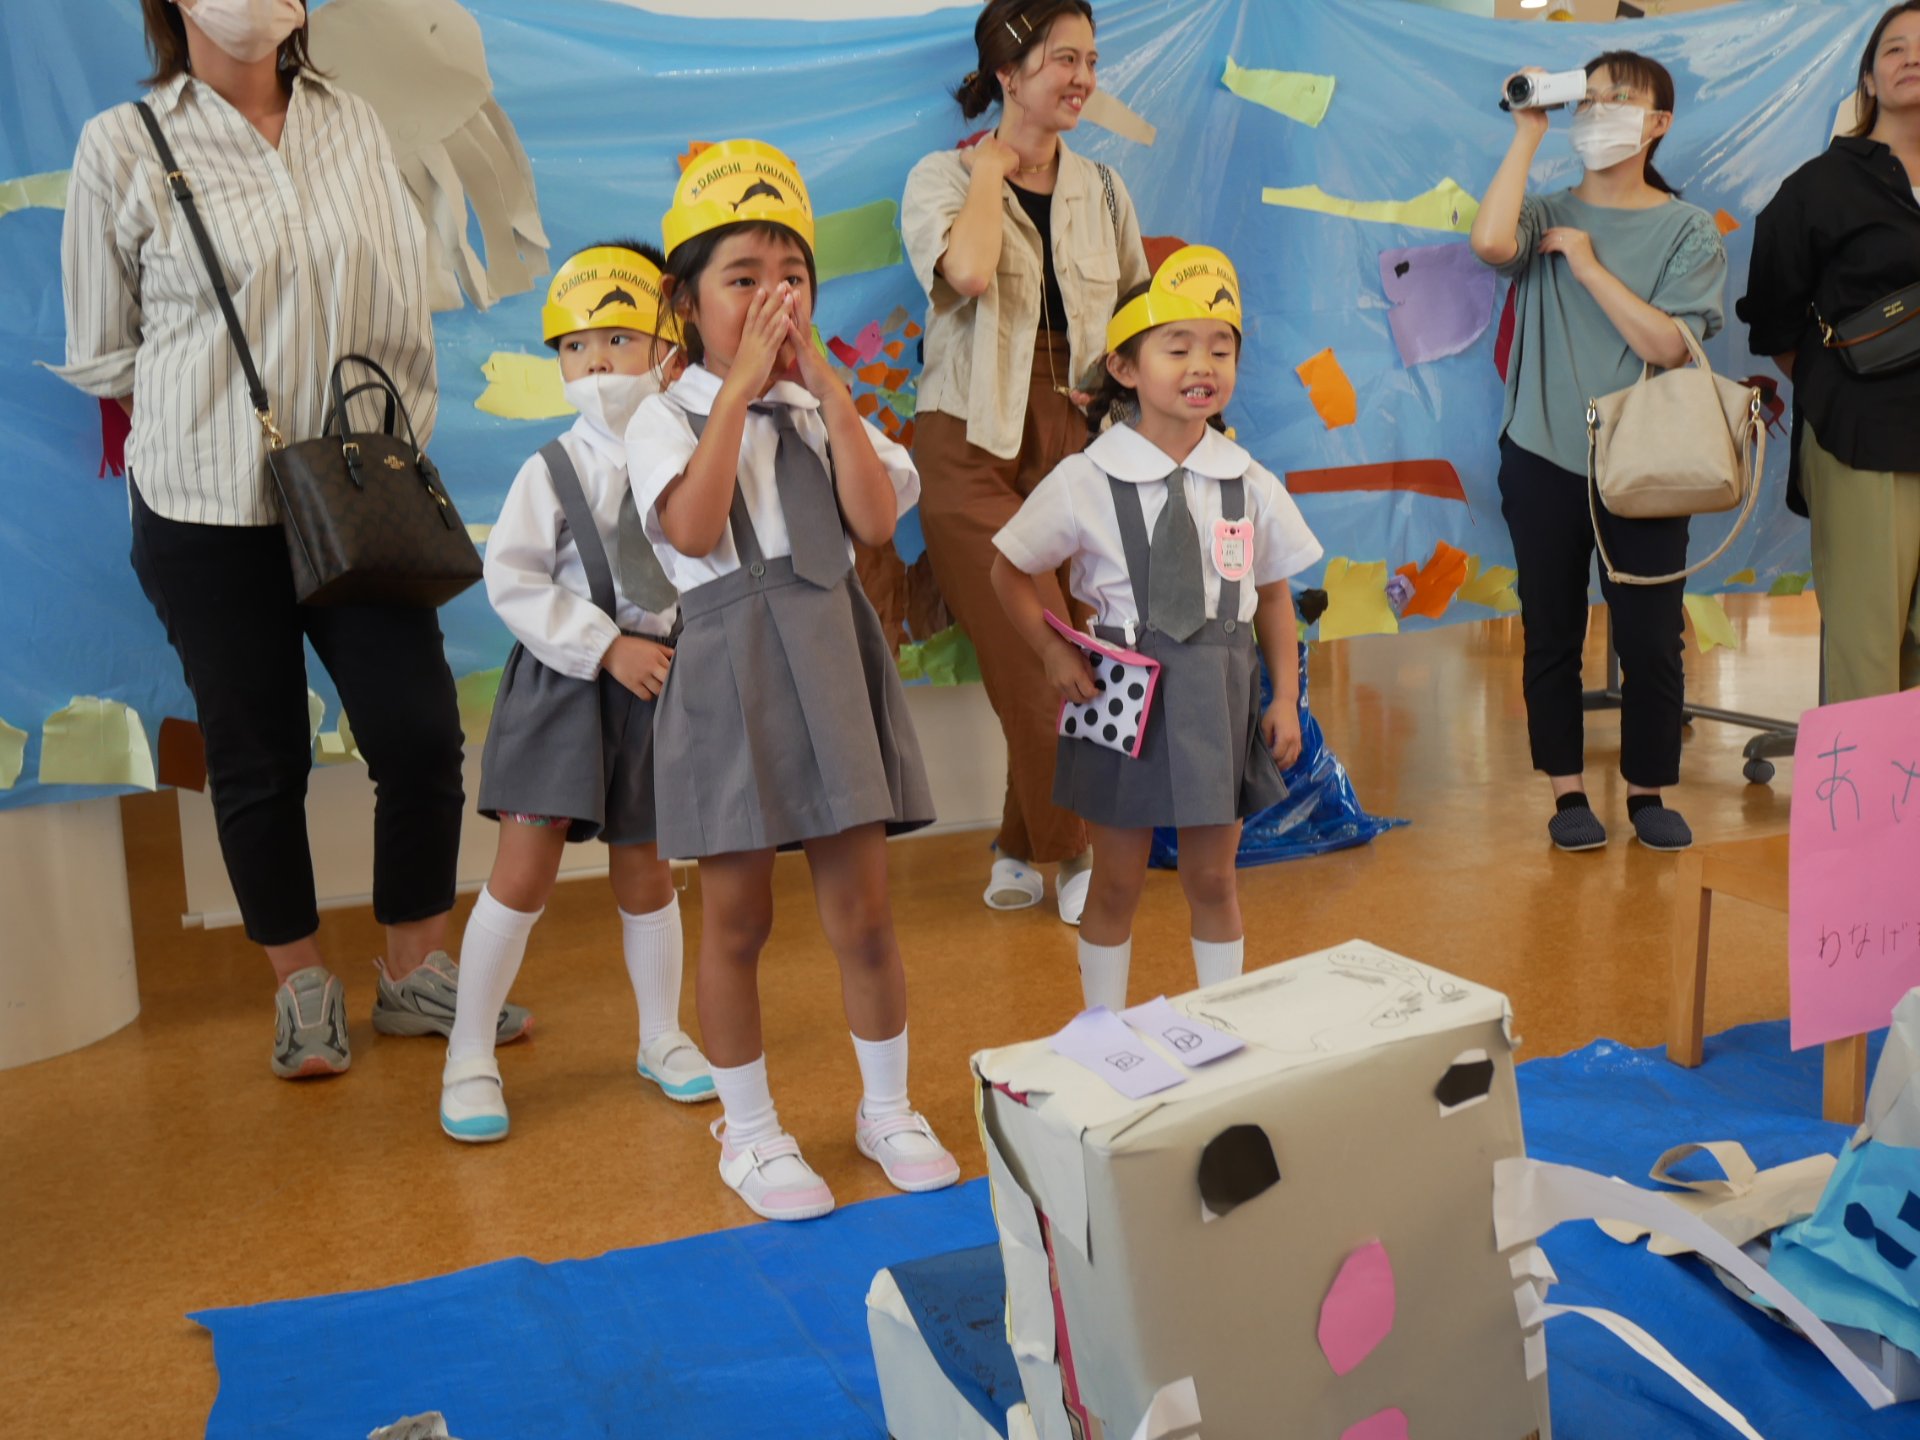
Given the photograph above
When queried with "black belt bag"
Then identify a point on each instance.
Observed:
(1877, 340)
(367, 519)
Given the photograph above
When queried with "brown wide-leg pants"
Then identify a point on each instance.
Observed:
(966, 496)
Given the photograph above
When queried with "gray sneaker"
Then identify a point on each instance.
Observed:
(422, 1003)
(310, 1025)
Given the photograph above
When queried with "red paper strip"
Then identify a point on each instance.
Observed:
(1437, 478)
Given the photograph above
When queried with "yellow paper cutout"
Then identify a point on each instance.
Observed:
(1445, 207)
(1109, 113)
(13, 750)
(1329, 389)
(1492, 586)
(479, 534)
(523, 387)
(1742, 577)
(34, 192)
(476, 692)
(1789, 582)
(95, 742)
(1357, 601)
(1711, 626)
(1295, 94)
(333, 750)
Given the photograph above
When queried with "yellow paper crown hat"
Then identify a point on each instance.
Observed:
(1196, 282)
(606, 288)
(734, 181)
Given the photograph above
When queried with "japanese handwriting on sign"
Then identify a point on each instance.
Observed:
(1853, 917)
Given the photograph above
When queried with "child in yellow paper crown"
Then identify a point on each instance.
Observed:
(569, 755)
(782, 724)
(1182, 543)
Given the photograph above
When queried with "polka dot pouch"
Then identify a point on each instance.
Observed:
(1125, 680)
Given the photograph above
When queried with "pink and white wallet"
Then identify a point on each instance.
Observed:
(1126, 681)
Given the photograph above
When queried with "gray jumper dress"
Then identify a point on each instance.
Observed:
(1203, 762)
(562, 746)
(783, 718)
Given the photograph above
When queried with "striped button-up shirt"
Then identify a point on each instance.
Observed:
(322, 249)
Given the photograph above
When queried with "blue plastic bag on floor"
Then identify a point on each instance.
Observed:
(1320, 813)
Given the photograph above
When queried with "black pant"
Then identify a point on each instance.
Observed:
(1547, 513)
(225, 594)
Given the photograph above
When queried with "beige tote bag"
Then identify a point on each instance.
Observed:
(1681, 442)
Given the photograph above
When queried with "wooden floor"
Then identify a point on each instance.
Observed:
(164, 1169)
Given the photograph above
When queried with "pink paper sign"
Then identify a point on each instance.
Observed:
(1853, 918)
(1358, 1311)
(1386, 1425)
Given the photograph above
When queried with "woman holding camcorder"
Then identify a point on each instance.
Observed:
(1600, 273)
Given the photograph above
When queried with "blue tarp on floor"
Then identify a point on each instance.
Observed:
(773, 1337)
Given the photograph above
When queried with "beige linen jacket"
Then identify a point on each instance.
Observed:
(979, 350)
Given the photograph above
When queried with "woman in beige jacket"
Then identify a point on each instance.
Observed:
(1023, 248)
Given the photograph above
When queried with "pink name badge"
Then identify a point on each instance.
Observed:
(1233, 548)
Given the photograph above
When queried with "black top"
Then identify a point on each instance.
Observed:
(1039, 209)
(1843, 231)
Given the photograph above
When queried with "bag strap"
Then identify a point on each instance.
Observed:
(1113, 200)
(183, 193)
(1750, 445)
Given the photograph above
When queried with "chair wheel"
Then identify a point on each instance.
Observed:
(1758, 771)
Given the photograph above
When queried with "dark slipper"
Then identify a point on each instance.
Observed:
(1659, 828)
(1577, 829)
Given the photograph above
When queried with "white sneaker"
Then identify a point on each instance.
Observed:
(674, 1063)
(904, 1148)
(1071, 894)
(473, 1103)
(772, 1178)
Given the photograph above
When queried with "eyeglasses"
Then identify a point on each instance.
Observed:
(1619, 95)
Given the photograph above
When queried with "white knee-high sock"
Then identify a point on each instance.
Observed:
(1217, 960)
(490, 954)
(747, 1102)
(652, 945)
(883, 1075)
(1103, 973)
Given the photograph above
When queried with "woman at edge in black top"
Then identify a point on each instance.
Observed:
(1842, 233)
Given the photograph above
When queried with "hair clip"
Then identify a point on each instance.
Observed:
(1018, 38)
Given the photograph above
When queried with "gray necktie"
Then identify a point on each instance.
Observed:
(1176, 605)
(807, 501)
(641, 579)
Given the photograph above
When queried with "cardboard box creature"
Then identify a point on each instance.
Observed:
(1301, 1233)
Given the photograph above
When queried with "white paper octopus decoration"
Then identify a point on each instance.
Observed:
(422, 65)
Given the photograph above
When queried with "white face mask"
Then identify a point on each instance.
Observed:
(248, 30)
(1607, 133)
(610, 400)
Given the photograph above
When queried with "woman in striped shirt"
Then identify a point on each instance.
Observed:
(325, 256)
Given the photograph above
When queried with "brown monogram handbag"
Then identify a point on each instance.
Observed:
(367, 518)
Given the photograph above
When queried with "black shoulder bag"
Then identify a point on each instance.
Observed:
(367, 517)
(1877, 340)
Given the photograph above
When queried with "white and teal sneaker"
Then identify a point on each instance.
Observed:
(310, 1025)
(674, 1063)
(473, 1103)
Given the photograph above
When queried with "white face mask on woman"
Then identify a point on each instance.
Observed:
(610, 400)
(248, 30)
(1606, 133)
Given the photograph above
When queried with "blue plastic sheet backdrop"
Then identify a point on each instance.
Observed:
(605, 96)
(769, 1321)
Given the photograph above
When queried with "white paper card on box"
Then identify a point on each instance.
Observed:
(1192, 1042)
(1099, 1042)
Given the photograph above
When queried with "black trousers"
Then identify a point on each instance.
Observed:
(225, 594)
(1547, 513)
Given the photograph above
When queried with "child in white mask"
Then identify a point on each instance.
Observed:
(569, 755)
